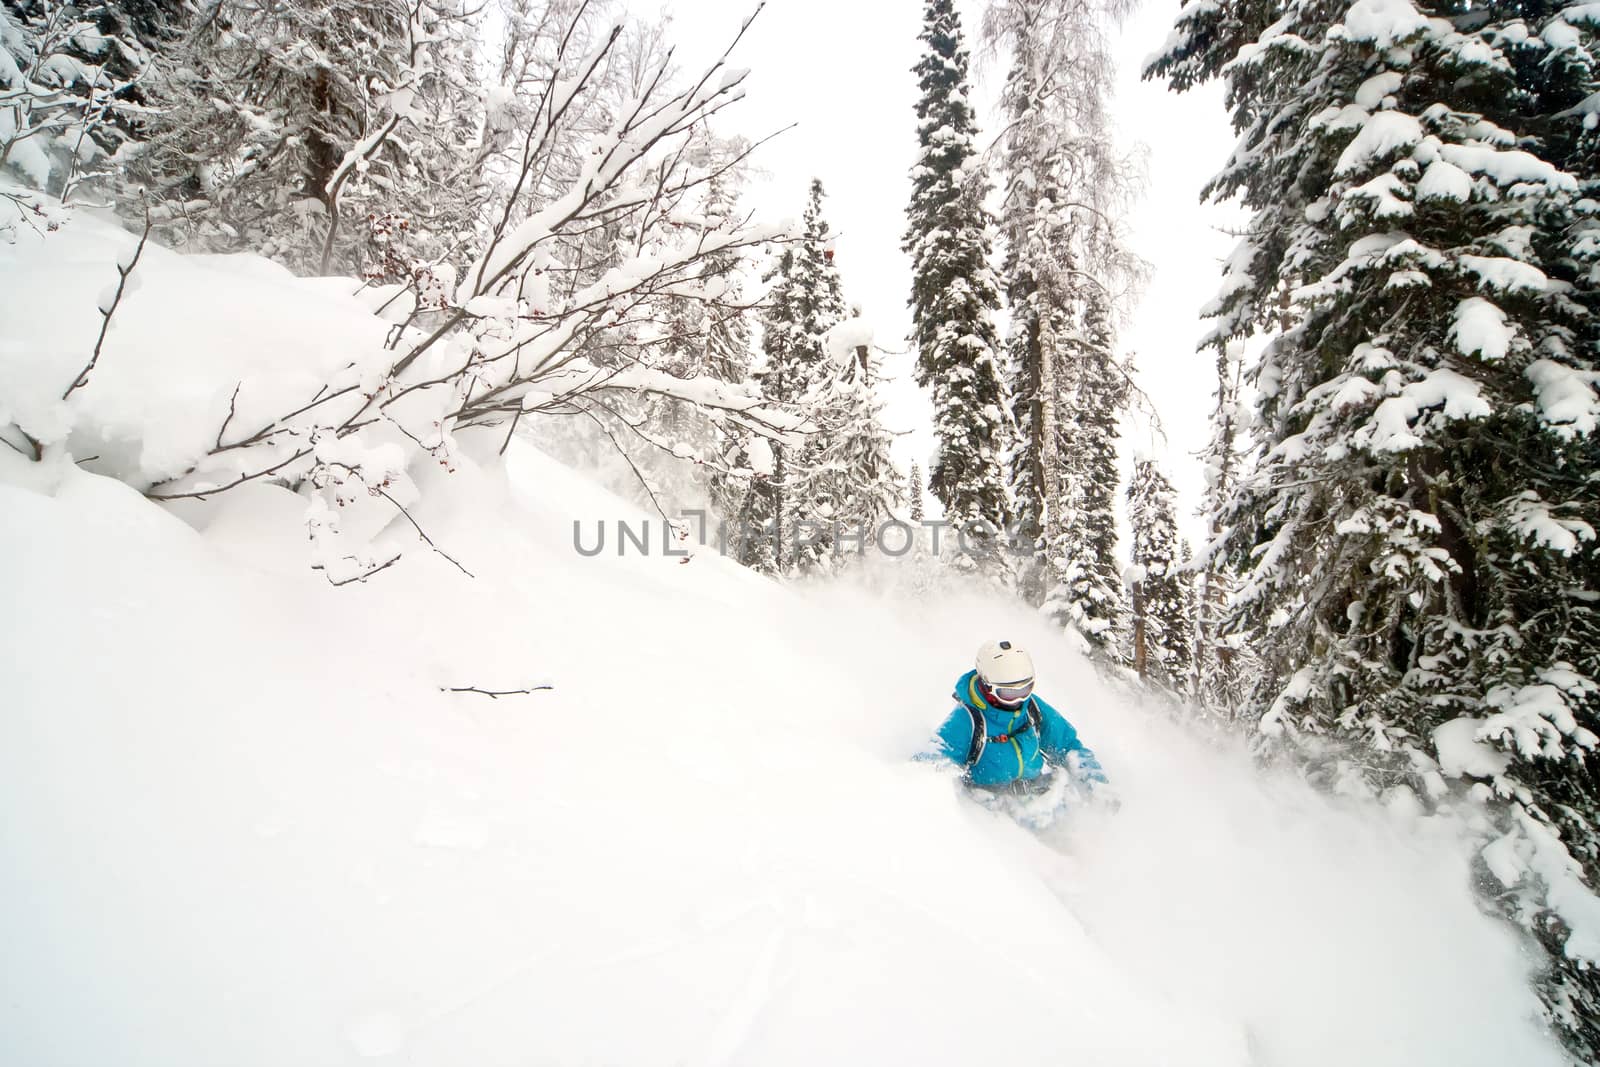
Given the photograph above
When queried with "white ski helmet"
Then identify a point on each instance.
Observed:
(1002, 665)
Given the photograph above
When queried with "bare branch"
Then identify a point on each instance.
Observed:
(106, 313)
(224, 427)
(494, 694)
(201, 494)
(363, 576)
(423, 535)
(631, 466)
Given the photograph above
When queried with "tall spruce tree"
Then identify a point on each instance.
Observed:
(860, 484)
(763, 517)
(954, 292)
(1161, 588)
(794, 504)
(1088, 592)
(1220, 667)
(1415, 535)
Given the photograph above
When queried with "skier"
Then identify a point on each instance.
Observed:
(1024, 746)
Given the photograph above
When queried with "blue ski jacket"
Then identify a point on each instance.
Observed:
(1014, 749)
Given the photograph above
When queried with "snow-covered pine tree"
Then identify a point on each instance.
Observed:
(1220, 669)
(333, 136)
(760, 520)
(805, 302)
(1065, 269)
(1162, 596)
(914, 490)
(1416, 535)
(862, 486)
(954, 292)
(1089, 594)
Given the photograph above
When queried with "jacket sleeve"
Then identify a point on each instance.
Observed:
(954, 739)
(1061, 745)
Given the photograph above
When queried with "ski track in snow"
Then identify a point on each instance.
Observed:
(736, 1025)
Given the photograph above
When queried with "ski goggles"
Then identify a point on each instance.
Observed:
(1015, 693)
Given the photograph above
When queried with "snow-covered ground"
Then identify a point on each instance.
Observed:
(240, 823)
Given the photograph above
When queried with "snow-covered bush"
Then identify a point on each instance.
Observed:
(71, 93)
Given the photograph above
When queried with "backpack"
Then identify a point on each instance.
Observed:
(980, 736)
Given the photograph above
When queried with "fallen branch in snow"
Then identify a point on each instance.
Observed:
(107, 312)
(358, 577)
(423, 535)
(493, 694)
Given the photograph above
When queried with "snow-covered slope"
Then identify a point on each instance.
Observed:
(240, 823)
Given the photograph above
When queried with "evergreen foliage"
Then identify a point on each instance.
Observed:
(1414, 536)
(1089, 593)
(863, 487)
(842, 477)
(805, 301)
(1161, 587)
(1220, 660)
(954, 291)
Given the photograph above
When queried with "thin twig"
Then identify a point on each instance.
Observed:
(493, 694)
(105, 316)
(26, 207)
(629, 460)
(224, 427)
(424, 536)
(515, 418)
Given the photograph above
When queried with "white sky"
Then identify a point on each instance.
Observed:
(841, 70)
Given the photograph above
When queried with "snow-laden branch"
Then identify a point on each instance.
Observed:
(559, 306)
(643, 131)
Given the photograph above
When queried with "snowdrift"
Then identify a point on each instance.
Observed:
(246, 822)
